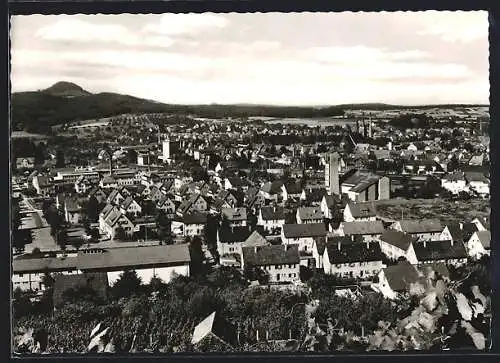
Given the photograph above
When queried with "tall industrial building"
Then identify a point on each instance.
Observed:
(166, 150)
(332, 166)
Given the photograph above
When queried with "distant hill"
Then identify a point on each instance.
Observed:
(66, 89)
(66, 102)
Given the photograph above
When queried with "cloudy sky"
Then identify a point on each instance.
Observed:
(287, 59)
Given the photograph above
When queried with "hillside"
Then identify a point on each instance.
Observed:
(66, 89)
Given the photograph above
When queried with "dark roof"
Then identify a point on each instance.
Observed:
(292, 187)
(400, 276)
(236, 234)
(484, 238)
(273, 213)
(304, 230)
(273, 187)
(353, 252)
(363, 227)
(193, 218)
(271, 255)
(331, 200)
(455, 231)
(119, 258)
(421, 225)
(320, 244)
(397, 238)
(362, 210)
(439, 250)
(315, 194)
(97, 281)
(310, 213)
(41, 264)
(256, 239)
(234, 214)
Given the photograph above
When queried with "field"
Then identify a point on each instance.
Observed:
(444, 210)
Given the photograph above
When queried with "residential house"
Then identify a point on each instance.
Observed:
(396, 244)
(478, 182)
(25, 163)
(291, 189)
(479, 244)
(357, 212)
(166, 204)
(98, 193)
(155, 194)
(253, 199)
(449, 252)
(189, 224)
(82, 185)
(302, 234)
(367, 230)
(349, 259)
(72, 211)
(235, 216)
(42, 185)
(309, 215)
(397, 279)
(235, 183)
(130, 207)
(452, 232)
(229, 240)
(318, 250)
(421, 229)
(455, 183)
(272, 190)
(108, 182)
(328, 205)
(195, 203)
(115, 220)
(482, 224)
(272, 218)
(280, 262)
(117, 196)
(313, 196)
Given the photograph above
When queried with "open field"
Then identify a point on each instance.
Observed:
(444, 210)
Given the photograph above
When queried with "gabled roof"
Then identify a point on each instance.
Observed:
(234, 214)
(439, 250)
(398, 239)
(193, 218)
(400, 276)
(363, 228)
(320, 243)
(353, 252)
(485, 238)
(127, 202)
(315, 194)
(107, 209)
(272, 187)
(471, 176)
(113, 217)
(331, 200)
(236, 234)
(273, 213)
(255, 239)
(421, 225)
(310, 213)
(271, 255)
(292, 187)
(304, 230)
(456, 232)
(362, 210)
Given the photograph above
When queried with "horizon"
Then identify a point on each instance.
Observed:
(260, 59)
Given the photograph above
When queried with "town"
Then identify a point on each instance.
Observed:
(362, 204)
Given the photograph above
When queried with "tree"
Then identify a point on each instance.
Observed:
(197, 255)
(92, 209)
(120, 234)
(129, 283)
(60, 163)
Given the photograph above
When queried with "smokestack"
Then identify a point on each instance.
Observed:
(357, 126)
(338, 245)
(333, 171)
(364, 129)
(370, 129)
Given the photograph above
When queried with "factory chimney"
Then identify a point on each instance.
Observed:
(333, 173)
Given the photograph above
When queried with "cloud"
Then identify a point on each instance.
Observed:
(178, 24)
(361, 54)
(77, 30)
(459, 27)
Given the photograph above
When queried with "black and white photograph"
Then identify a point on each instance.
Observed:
(250, 183)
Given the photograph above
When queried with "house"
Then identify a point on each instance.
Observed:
(357, 212)
(272, 218)
(214, 327)
(189, 224)
(115, 220)
(42, 185)
(368, 230)
(318, 249)
(117, 196)
(272, 190)
(479, 244)
(313, 196)
(302, 234)
(235, 183)
(449, 252)
(348, 259)
(72, 211)
(229, 240)
(396, 244)
(155, 194)
(482, 224)
(253, 198)
(195, 203)
(226, 199)
(309, 215)
(235, 216)
(328, 205)
(455, 183)
(421, 229)
(82, 185)
(397, 279)
(130, 207)
(280, 262)
(25, 163)
(365, 187)
(452, 232)
(98, 193)
(478, 182)
(108, 182)
(291, 189)
(166, 204)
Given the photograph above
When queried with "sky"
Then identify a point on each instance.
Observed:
(261, 58)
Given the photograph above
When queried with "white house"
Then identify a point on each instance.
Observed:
(328, 205)
(455, 183)
(448, 252)
(345, 258)
(302, 234)
(166, 204)
(235, 216)
(309, 215)
(356, 212)
(478, 183)
(396, 279)
(479, 244)
(115, 219)
(367, 230)
(291, 190)
(195, 203)
(421, 229)
(189, 225)
(395, 244)
(72, 211)
(229, 240)
(271, 218)
(130, 206)
(280, 262)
